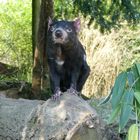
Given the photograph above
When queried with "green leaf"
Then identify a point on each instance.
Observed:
(133, 132)
(127, 106)
(137, 108)
(137, 77)
(138, 67)
(131, 78)
(137, 96)
(114, 114)
(118, 89)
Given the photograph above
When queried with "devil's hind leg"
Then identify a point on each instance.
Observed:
(85, 71)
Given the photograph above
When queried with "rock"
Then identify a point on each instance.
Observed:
(70, 118)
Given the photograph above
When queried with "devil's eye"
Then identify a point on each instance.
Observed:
(69, 30)
(52, 28)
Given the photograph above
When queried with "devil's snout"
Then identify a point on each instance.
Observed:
(58, 33)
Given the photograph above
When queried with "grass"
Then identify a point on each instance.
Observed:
(107, 55)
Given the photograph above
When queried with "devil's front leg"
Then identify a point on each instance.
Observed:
(84, 73)
(54, 80)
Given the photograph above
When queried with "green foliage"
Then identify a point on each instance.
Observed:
(64, 9)
(115, 113)
(133, 132)
(106, 13)
(126, 108)
(118, 89)
(125, 97)
(15, 36)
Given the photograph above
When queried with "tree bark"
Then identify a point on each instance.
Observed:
(70, 118)
(40, 69)
(36, 74)
(35, 22)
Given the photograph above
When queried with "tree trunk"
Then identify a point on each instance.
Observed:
(35, 22)
(70, 118)
(36, 74)
(40, 70)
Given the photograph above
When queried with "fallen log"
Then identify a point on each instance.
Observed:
(70, 118)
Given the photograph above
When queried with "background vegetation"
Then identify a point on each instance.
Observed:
(15, 37)
(108, 53)
(110, 32)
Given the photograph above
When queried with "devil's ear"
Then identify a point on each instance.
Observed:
(49, 22)
(77, 24)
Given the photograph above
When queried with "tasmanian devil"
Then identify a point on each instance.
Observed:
(68, 68)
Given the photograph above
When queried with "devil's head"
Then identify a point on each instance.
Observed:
(63, 32)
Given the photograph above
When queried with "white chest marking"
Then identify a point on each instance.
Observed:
(59, 62)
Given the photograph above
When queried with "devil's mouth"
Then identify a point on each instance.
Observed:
(59, 40)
